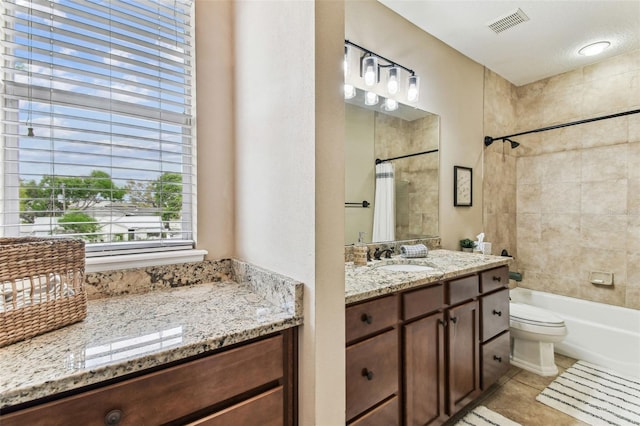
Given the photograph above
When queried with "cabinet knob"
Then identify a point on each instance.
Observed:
(442, 322)
(366, 318)
(498, 313)
(497, 358)
(497, 278)
(367, 373)
(113, 417)
(454, 319)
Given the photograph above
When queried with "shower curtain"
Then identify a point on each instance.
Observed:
(384, 210)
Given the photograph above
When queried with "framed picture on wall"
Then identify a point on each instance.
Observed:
(462, 185)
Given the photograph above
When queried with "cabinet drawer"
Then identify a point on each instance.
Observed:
(387, 414)
(367, 318)
(423, 301)
(168, 394)
(372, 372)
(494, 278)
(265, 410)
(462, 289)
(495, 359)
(494, 309)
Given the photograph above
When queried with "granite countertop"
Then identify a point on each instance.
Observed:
(126, 334)
(365, 282)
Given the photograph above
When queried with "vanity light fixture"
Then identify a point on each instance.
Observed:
(372, 65)
(594, 48)
(393, 80)
(413, 92)
(349, 91)
(370, 71)
(370, 98)
(390, 105)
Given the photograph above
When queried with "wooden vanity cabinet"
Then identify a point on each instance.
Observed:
(253, 383)
(453, 343)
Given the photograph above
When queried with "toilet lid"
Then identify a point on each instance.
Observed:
(534, 315)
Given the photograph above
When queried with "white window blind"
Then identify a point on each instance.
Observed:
(96, 115)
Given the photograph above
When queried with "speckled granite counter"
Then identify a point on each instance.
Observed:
(365, 282)
(126, 334)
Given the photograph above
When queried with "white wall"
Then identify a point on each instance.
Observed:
(451, 86)
(289, 143)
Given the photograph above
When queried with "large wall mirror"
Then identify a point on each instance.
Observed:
(372, 133)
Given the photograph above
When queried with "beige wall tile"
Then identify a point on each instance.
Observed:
(634, 159)
(607, 96)
(602, 260)
(560, 197)
(607, 163)
(562, 106)
(529, 169)
(528, 198)
(606, 232)
(611, 295)
(558, 231)
(633, 275)
(633, 238)
(632, 299)
(529, 227)
(620, 64)
(612, 131)
(633, 196)
(609, 197)
(561, 167)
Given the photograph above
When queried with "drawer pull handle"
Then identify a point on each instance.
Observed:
(442, 322)
(498, 313)
(113, 417)
(367, 373)
(497, 358)
(454, 319)
(496, 278)
(366, 318)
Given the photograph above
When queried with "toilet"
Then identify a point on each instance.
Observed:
(533, 333)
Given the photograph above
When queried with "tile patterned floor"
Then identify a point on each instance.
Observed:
(515, 398)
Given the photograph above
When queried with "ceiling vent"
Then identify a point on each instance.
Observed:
(508, 21)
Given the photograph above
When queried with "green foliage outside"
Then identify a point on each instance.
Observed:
(54, 195)
(76, 222)
(167, 192)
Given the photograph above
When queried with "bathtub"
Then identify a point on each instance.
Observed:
(602, 334)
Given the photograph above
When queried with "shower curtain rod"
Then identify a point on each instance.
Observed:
(378, 161)
(488, 140)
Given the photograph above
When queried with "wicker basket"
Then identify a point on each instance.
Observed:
(41, 286)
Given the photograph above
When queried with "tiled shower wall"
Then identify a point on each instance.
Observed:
(576, 190)
(416, 177)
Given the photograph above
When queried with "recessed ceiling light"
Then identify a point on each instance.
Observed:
(594, 48)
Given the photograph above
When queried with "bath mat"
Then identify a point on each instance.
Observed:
(482, 416)
(595, 395)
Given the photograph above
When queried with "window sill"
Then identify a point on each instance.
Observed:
(142, 260)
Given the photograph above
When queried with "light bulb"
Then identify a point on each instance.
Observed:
(349, 91)
(370, 70)
(370, 98)
(414, 88)
(393, 85)
(390, 105)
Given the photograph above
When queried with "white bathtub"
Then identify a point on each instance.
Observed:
(602, 334)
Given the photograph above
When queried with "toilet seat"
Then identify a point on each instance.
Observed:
(535, 320)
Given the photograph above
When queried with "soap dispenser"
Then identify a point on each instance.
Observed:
(360, 251)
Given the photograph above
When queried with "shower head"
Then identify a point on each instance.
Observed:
(488, 140)
(514, 144)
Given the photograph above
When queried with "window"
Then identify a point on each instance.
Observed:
(96, 115)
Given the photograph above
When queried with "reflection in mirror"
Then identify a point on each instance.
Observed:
(372, 133)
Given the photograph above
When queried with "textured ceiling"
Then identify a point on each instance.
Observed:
(545, 45)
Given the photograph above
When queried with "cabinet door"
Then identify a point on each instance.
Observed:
(463, 346)
(424, 370)
(494, 309)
